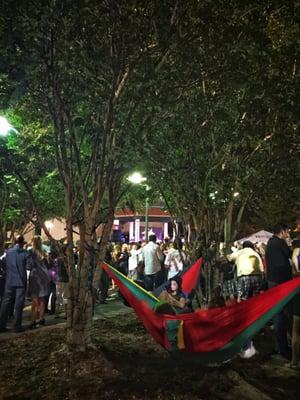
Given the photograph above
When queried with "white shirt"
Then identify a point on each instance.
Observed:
(152, 257)
(134, 258)
(174, 262)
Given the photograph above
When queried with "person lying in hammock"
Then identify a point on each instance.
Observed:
(172, 300)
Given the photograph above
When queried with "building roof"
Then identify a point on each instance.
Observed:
(152, 212)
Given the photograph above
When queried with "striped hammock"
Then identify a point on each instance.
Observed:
(216, 334)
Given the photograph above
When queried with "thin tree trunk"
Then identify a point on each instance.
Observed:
(238, 220)
(80, 306)
(228, 225)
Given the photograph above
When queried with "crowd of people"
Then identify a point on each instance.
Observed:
(245, 272)
(251, 270)
(35, 274)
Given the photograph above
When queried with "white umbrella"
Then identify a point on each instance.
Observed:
(258, 237)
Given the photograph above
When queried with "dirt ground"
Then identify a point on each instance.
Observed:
(128, 364)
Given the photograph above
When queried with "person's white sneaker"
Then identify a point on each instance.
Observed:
(248, 353)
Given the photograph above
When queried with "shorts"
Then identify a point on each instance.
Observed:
(248, 286)
(229, 288)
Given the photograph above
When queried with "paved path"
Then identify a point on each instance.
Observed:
(113, 308)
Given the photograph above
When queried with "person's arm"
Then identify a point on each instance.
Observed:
(167, 261)
(232, 257)
(295, 263)
(181, 303)
(159, 254)
(260, 263)
(295, 258)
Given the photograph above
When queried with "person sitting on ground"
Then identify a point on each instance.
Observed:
(174, 297)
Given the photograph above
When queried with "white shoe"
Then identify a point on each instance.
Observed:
(248, 353)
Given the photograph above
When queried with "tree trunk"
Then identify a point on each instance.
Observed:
(228, 224)
(102, 250)
(80, 304)
(238, 220)
(2, 238)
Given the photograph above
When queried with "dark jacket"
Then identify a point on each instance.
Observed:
(278, 256)
(16, 259)
(62, 273)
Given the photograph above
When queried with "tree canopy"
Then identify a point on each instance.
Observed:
(200, 94)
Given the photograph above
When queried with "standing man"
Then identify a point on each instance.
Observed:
(152, 257)
(279, 270)
(15, 286)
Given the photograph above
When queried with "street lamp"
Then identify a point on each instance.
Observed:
(5, 126)
(137, 179)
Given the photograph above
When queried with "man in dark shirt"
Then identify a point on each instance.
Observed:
(279, 270)
(15, 286)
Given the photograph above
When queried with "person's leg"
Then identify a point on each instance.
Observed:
(296, 341)
(103, 287)
(244, 288)
(34, 308)
(158, 279)
(2, 287)
(12, 306)
(239, 289)
(149, 282)
(41, 304)
(256, 284)
(8, 299)
(52, 298)
(19, 306)
(280, 331)
(229, 301)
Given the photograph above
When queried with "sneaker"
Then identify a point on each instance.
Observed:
(41, 322)
(248, 353)
(3, 329)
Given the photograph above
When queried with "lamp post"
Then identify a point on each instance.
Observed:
(147, 215)
(137, 179)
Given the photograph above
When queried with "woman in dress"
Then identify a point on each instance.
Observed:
(39, 281)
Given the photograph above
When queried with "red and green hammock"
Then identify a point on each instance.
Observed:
(217, 334)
